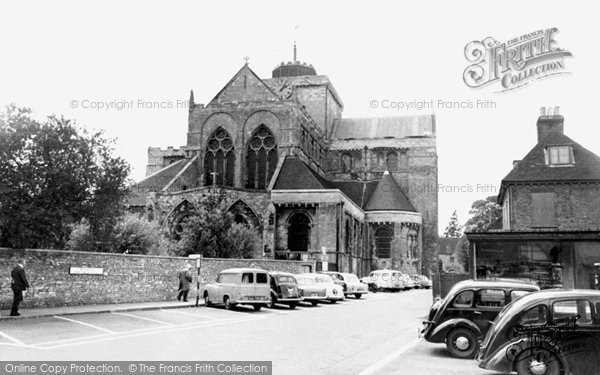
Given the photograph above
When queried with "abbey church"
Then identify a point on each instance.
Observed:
(353, 194)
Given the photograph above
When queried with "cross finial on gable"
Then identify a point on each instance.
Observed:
(246, 59)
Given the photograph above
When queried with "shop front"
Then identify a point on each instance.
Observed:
(551, 259)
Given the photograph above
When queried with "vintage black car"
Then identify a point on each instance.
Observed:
(464, 316)
(551, 332)
(284, 289)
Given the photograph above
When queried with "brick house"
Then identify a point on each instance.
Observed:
(551, 214)
(356, 193)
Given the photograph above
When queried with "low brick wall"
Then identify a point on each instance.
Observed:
(125, 278)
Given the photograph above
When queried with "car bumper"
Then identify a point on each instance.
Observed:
(356, 292)
(335, 298)
(251, 302)
(288, 300)
(423, 330)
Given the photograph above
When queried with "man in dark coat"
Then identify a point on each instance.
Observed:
(19, 284)
(185, 278)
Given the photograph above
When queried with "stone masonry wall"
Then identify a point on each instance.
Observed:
(126, 278)
(576, 205)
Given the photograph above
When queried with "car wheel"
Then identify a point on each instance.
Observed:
(462, 343)
(332, 301)
(207, 302)
(228, 305)
(272, 302)
(314, 303)
(538, 361)
(257, 307)
(293, 305)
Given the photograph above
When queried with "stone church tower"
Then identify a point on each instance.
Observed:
(357, 193)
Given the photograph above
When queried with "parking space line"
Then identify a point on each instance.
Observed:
(84, 324)
(189, 314)
(131, 334)
(389, 358)
(14, 340)
(144, 318)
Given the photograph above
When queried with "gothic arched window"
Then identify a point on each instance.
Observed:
(219, 159)
(261, 158)
(346, 163)
(383, 242)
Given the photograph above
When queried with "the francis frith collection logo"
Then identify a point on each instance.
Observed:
(515, 63)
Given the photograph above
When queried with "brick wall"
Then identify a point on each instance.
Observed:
(126, 279)
(576, 205)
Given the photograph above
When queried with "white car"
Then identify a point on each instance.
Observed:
(333, 292)
(354, 286)
(387, 280)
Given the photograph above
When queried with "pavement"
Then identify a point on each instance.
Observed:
(90, 309)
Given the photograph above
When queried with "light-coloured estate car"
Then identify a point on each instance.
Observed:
(239, 286)
(310, 291)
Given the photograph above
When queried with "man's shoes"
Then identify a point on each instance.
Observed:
(15, 314)
(185, 300)
(179, 298)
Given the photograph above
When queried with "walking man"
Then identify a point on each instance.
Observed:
(185, 278)
(19, 284)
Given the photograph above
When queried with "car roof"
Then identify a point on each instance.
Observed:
(560, 293)
(241, 270)
(497, 283)
(280, 273)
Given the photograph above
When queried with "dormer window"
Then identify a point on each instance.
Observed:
(559, 155)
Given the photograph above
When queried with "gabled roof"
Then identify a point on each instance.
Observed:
(388, 196)
(384, 127)
(296, 175)
(533, 166)
(155, 182)
(234, 90)
(358, 191)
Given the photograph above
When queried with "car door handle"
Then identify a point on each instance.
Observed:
(477, 313)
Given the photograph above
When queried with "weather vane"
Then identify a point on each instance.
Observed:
(246, 59)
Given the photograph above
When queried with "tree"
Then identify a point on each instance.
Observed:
(485, 214)
(213, 233)
(54, 174)
(131, 235)
(453, 229)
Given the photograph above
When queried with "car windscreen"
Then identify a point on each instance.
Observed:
(324, 280)
(351, 278)
(286, 279)
(305, 281)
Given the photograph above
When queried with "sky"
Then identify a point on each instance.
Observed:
(66, 58)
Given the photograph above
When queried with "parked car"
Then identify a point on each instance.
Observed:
(354, 286)
(309, 290)
(239, 286)
(409, 283)
(333, 292)
(550, 332)
(284, 289)
(466, 313)
(387, 280)
(422, 281)
(349, 282)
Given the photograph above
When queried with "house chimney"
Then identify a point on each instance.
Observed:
(550, 120)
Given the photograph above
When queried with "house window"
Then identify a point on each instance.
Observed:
(542, 207)
(219, 159)
(383, 242)
(261, 158)
(559, 155)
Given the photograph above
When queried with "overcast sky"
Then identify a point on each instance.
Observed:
(58, 53)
